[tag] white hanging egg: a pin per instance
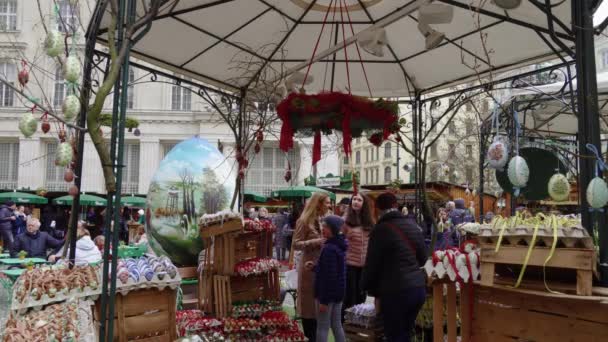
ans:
(497, 154)
(64, 154)
(28, 125)
(597, 193)
(70, 107)
(54, 43)
(518, 172)
(559, 187)
(71, 69)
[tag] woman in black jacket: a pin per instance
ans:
(392, 271)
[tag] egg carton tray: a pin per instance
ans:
(567, 237)
(86, 293)
(143, 283)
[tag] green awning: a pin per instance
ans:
(301, 191)
(249, 196)
(85, 200)
(22, 198)
(133, 201)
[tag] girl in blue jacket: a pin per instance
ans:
(330, 280)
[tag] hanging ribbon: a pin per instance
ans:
(516, 189)
(600, 165)
(316, 148)
(553, 221)
(528, 254)
(314, 51)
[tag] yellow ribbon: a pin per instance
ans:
(527, 259)
(553, 245)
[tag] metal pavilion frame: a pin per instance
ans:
(580, 53)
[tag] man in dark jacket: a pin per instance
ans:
(34, 242)
(392, 272)
(7, 218)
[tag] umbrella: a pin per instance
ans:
(133, 201)
(22, 197)
(86, 200)
(301, 191)
(253, 197)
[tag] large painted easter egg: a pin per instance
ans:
(194, 179)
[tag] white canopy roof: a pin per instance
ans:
(554, 115)
(200, 38)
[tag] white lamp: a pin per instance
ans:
(507, 4)
(296, 79)
(432, 37)
(373, 41)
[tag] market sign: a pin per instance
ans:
(328, 181)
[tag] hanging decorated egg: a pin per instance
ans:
(559, 187)
(497, 154)
(64, 154)
(71, 69)
(28, 125)
(518, 172)
(597, 193)
(54, 43)
(68, 175)
(70, 107)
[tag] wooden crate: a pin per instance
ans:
(448, 305)
(578, 260)
(356, 333)
(144, 316)
(208, 231)
(231, 248)
(503, 314)
(230, 289)
(575, 237)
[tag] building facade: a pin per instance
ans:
(167, 114)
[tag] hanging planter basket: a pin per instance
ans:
(325, 112)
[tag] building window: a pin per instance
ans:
(469, 175)
(8, 15)
(469, 151)
(366, 176)
(377, 153)
(604, 59)
(9, 72)
(451, 150)
(9, 154)
(367, 154)
(452, 127)
(130, 173)
(358, 157)
(130, 91)
(345, 160)
(67, 20)
(53, 180)
(434, 151)
(266, 170)
(387, 174)
(61, 90)
(181, 98)
(376, 181)
(388, 150)
(468, 127)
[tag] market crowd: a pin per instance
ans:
(364, 249)
(44, 238)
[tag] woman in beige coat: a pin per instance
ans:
(307, 238)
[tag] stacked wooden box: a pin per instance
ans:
(228, 245)
(574, 254)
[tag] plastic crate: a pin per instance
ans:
(132, 251)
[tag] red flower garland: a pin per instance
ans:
(333, 110)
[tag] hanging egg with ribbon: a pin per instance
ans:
(64, 154)
(597, 190)
(497, 154)
(559, 187)
(518, 173)
(71, 69)
(54, 43)
(24, 76)
(70, 107)
(28, 125)
(597, 193)
(68, 176)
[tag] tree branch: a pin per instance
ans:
(41, 106)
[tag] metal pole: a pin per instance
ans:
(482, 156)
(588, 120)
(398, 158)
